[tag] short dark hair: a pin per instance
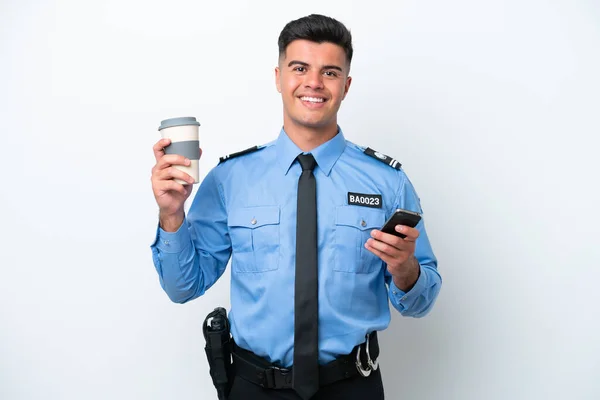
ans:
(316, 28)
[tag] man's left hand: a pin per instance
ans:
(398, 254)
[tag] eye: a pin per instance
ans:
(300, 69)
(331, 73)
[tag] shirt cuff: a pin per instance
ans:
(405, 300)
(172, 242)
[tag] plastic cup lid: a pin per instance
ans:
(179, 121)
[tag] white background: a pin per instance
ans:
(493, 107)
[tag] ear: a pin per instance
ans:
(277, 76)
(347, 86)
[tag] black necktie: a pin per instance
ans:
(306, 309)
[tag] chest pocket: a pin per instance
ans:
(254, 233)
(353, 227)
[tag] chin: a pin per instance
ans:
(314, 123)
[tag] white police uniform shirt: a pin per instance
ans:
(245, 209)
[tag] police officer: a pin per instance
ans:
(257, 207)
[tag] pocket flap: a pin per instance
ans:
(362, 218)
(254, 217)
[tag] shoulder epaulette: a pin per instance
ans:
(383, 158)
(239, 153)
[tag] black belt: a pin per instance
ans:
(361, 361)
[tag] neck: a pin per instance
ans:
(307, 138)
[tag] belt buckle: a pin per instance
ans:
(278, 377)
(371, 365)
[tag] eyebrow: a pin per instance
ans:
(302, 63)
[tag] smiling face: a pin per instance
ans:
(313, 80)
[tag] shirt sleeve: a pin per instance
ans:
(190, 260)
(419, 300)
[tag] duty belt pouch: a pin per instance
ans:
(218, 350)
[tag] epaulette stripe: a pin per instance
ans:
(239, 153)
(392, 162)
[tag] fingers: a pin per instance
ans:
(163, 186)
(390, 245)
(164, 160)
(387, 248)
(370, 245)
(165, 173)
(165, 170)
(172, 159)
(159, 148)
(411, 235)
(170, 173)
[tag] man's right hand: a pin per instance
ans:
(169, 194)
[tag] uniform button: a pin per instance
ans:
(363, 223)
(393, 291)
(253, 222)
(404, 298)
(166, 242)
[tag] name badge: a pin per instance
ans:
(365, 200)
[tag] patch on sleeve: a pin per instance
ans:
(239, 153)
(383, 158)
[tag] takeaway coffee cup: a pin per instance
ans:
(183, 132)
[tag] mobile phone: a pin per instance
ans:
(401, 217)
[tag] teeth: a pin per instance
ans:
(312, 99)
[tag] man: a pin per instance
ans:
(308, 292)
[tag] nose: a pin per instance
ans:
(313, 80)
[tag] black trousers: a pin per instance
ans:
(356, 388)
